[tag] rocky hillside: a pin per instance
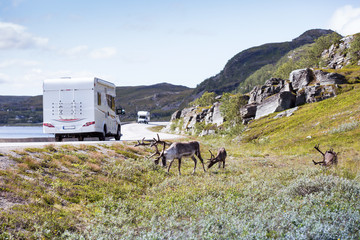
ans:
(245, 63)
(341, 65)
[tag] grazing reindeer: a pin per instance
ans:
(220, 157)
(329, 157)
(178, 150)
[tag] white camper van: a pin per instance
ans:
(143, 117)
(80, 107)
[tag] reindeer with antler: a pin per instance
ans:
(329, 157)
(220, 158)
(177, 150)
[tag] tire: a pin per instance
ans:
(58, 138)
(102, 135)
(118, 134)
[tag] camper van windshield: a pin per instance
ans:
(142, 117)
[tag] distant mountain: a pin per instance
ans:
(20, 110)
(160, 99)
(243, 64)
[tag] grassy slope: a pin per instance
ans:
(269, 189)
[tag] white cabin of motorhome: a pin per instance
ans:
(80, 107)
(143, 117)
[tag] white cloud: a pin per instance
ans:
(346, 20)
(18, 63)
(76, 50)
(102, 53)
(14, 36)
(4, 78)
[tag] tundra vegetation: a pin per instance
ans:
(269, 189)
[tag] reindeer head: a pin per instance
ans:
(213, 160)
(162, 157)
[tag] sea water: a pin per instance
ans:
(23, 132)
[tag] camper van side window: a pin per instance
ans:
(99, 98)
(110, 101)
(113, 103)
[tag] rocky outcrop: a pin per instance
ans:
(276, 95)
(271, 86)
(193, 115)
(337, 56)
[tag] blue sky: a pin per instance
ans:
(140, 42)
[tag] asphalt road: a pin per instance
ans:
(130, 132)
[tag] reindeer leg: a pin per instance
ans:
(170, 165)
(317, 148)
(224, 164)
(195, 162)
(179, 166)
(201, 160)
(322, 162)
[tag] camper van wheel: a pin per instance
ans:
(118, 134)
(103, 134)
(58, 138)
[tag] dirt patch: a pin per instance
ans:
(8, 200)
(6, 163)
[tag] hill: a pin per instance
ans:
(245, 63)
(160, 99)
(20, 110)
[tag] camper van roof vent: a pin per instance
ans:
(66, 77)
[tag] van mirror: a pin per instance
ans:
(120, 111)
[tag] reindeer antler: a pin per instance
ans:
(212, 155)
(153, 143)
(143, 143)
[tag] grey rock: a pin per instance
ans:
(301, 78)
(315, 93)
(271, 87)
(207, 132)
(287, 113)
(175, 115)
(217, 118)
(276, 103)
(325, 78)
(248, 111)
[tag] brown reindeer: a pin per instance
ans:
(179, 150)
(329, 157)
(220, 158)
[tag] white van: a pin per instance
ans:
(80, 107)
(143, 117)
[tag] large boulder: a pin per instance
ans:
(217, 118)
(175, 115)
(315, 93)
(301, 78)
(271, 87)
(276, 103)
(325, 78)
(248, 111)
